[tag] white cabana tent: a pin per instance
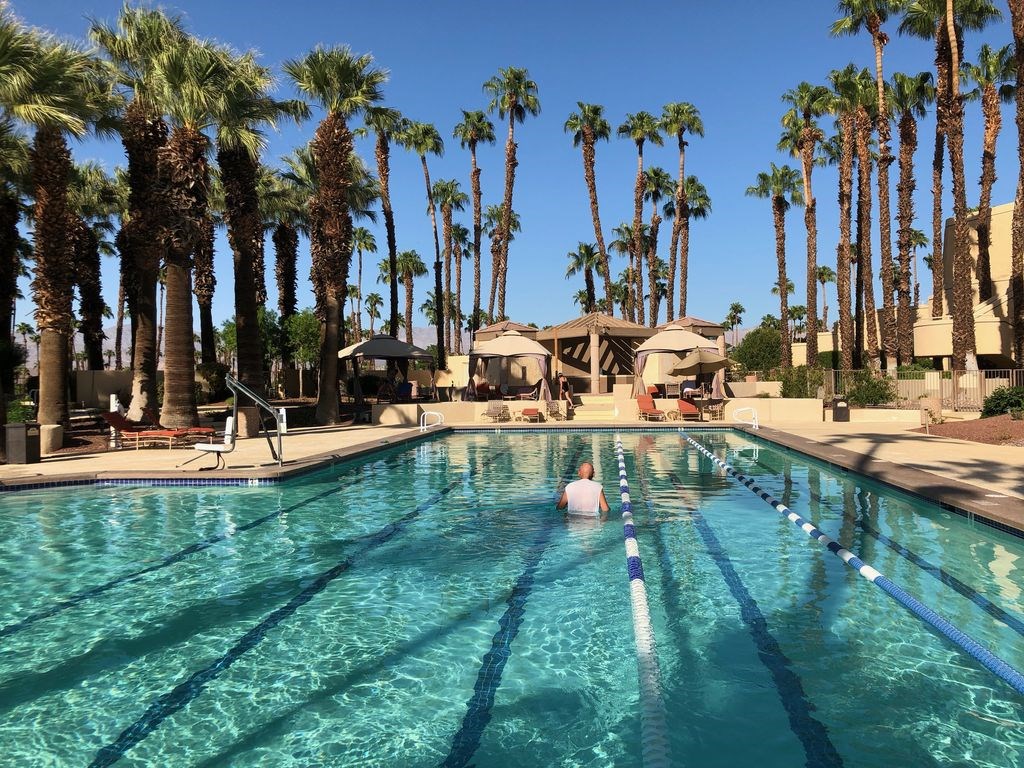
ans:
(512, 344)
(383, 347)
(673, 340)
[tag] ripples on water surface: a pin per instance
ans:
(429, 605)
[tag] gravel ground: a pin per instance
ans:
(996, 430)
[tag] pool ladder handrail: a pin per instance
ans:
(238, 388)
(423, 420)
(752, 422)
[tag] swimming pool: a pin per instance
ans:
(427, 606)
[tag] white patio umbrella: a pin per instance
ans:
(701, 361)
(513, 344)
(673, 339)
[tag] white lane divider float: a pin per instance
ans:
(653, 727)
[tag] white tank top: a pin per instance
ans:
(584, 497)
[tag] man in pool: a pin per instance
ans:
(584, 496)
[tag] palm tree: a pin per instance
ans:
(286, 210)
(56, 91)
(809, 102)
(372, 303)
(245, 107)
(386, 123)
(460, 249)
(640, 128)
(867, 321)
(994, 76)
(362, 240)
(797, 315)
(513, 94)
(824, 275)
(678, 119)
(926, 19)
(870, 15)
(909, 96)
(14, 182)
(344, 84)
(844, 105)
(733, 320)
(918, 239)
(657, 185)
(588, 127)
(1017, 245)
(585, 259)
(134, 46)
(24, 330)
(423, 139)
(450, 197)
(92, 200)
(410, 266)
(493, 216)
(623, 245)
(475, 128)
(781, 186)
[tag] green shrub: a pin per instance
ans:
(215, 376)
(760, 350)
(1003, 400)
(871, 388)
(18, 413)
(829, 360)
(801, 381)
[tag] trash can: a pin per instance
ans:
(840, 409)
(23, 443)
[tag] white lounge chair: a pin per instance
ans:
(219, 449)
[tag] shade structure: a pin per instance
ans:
(674, 340)
(701, 361)
(384, 347)
(513, 344)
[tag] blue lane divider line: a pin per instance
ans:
(954, 634)
(186, 692)
(478, 710)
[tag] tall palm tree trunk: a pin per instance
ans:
(864, 268)
(811, 225)
(638, 238)
(87, 277)
(383, 153)
(54, 256)
(474, 178)
(846, 330)
(993, 124)
(1017, 249)
(506, 210)
(590, 176)
(183, 171)
(286, 247)
(941, 119)
(407, 284)
(680, 239)
(205, 283)
(446, 231)
(439, 310)
(779, 216)
(238, 170)
(905, 218)
(495, 274)
(885, 159)
(964, 357)
(143, 134)
(457, 303)
(652, 267)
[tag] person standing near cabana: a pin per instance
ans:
(565, 392)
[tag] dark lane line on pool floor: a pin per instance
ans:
(184, 693)
(467, 739)
(811, 732)
(169, 560)
(935, 571)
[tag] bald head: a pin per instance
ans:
(586, 471)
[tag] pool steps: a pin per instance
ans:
(947, 629)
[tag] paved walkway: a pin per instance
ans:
(980, 479)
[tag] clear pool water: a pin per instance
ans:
(427, 606)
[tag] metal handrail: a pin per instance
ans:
(237, 388)
(423, 420)
(752, 422)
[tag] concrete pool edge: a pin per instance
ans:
(968, 500)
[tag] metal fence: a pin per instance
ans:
(957, 390)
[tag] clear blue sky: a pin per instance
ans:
(733, 61)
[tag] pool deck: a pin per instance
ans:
(973, 478)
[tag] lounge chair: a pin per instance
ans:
(715, 410)
(528, 414)
(554, 411)
(218, 449)
(672, 390)
(150, 414)
(647, 411)
(686, 410)
(134, 432)
(497, 411)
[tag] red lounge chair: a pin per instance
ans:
(687, 410)
(646, 409)
(133, 431)
(150, 414)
